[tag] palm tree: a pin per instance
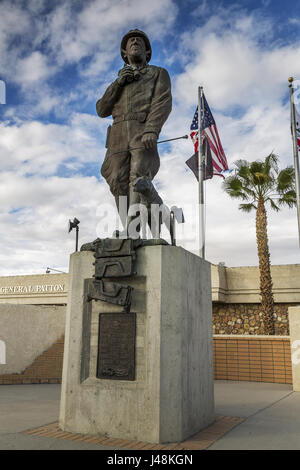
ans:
(259, 183)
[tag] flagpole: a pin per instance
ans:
(200, 178)
(296, 156)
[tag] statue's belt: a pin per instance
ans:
(141, 117)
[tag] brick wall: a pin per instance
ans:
(250, 358)
(257, 359)
(47, 368)
(237, 319)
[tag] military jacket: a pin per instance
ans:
(147, 100)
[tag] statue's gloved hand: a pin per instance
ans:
(149, 140)
(125, 75)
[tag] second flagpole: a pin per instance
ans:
(200, 177)
(295, 149)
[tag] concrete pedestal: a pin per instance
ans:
(172, 396)
(294, 326)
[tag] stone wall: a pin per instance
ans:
(238, 319)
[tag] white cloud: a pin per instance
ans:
(68, 34)
(36, 148)
(33, 68)
(237, 69)
(244, 73)
(295, 21)
(36, 230)
(95, 30)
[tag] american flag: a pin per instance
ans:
(210, 132)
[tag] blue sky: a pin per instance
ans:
(58, 57)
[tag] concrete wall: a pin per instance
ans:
(294, 318)
(241, 284)
(30, 322)
(229, 285)
(236, 298)
(2, 352)
(46, 368)
(27, 331)
(34, 289)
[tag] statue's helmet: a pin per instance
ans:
(136, 33)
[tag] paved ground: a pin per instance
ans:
(271, 412)
(28, 406)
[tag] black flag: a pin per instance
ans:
(192, 162)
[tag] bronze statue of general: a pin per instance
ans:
(139, 101)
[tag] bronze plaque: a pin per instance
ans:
(116, 346)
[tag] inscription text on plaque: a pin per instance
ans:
(116, 346)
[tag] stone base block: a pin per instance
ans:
(294, 325)
(171, 396)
